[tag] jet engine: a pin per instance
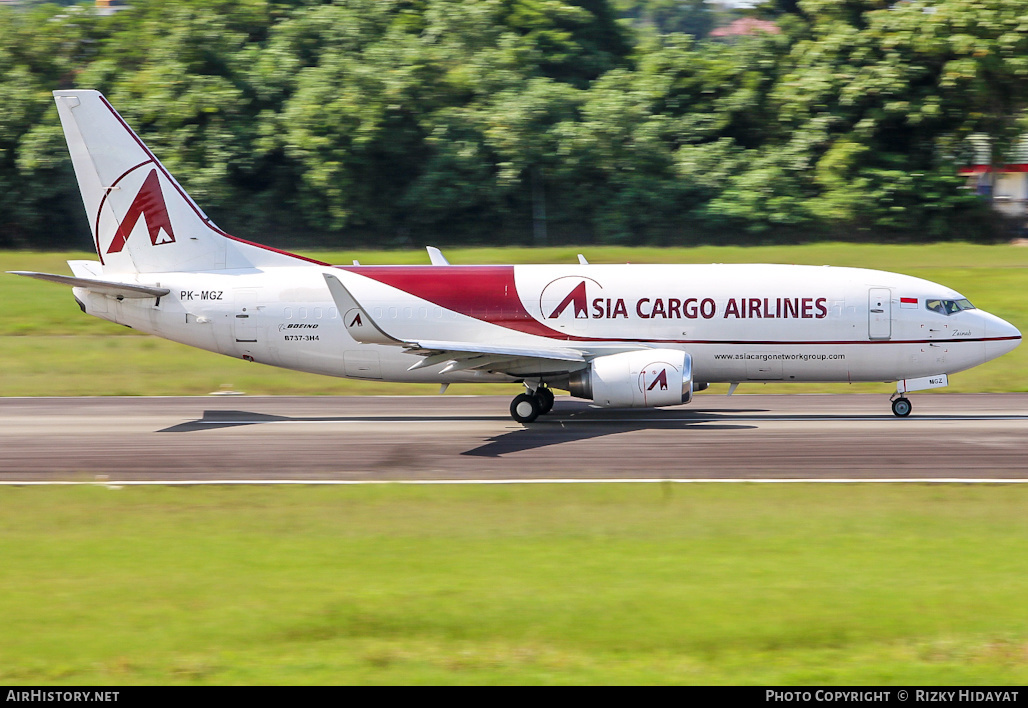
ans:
(640, 379)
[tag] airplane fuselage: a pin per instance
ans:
(738, 322)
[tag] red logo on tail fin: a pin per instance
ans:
(149, 204)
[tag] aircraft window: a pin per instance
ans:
(317, 313)
(948, 307)
(288, 313)
(332, 312)
(302, 313)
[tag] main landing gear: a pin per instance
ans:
(528, 406)
(901, 406)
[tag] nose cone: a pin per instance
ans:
(1000, 337)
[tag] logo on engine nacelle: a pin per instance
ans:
(661, 379)
(654, 376)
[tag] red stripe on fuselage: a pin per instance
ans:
(486, 293)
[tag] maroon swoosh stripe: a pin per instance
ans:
(488, 294)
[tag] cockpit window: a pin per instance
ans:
(948, 307)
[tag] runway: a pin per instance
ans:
(779, 437)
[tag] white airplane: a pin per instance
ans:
(620, 335)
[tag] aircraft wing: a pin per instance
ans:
(106, 287)
(460, 355)
(463, 355)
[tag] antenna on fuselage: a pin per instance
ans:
(436, 256)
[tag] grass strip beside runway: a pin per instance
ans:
(796, 584)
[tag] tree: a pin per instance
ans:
(40, 48)
(664, 17)
(883, 100)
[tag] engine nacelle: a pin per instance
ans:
(641, 379)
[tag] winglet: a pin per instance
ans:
(356, 319)
(582, 260)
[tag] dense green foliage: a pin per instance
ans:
(395, 122)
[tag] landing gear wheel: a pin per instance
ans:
(545, 398)
(901, 407)
(524, 408)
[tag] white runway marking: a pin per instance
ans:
(728, 417)
(337, 482)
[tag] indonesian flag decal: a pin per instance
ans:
(908, 303)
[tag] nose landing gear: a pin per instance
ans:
(901, 406)
(528, 406)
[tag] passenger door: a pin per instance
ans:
(879, 316)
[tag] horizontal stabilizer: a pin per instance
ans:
(104, 287)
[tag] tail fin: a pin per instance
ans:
(141, 218)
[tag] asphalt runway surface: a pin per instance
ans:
(233, 438)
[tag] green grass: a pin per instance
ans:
(597, 584)
(48, 347)
(149, 366)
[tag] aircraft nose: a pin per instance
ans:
(1001, 337)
